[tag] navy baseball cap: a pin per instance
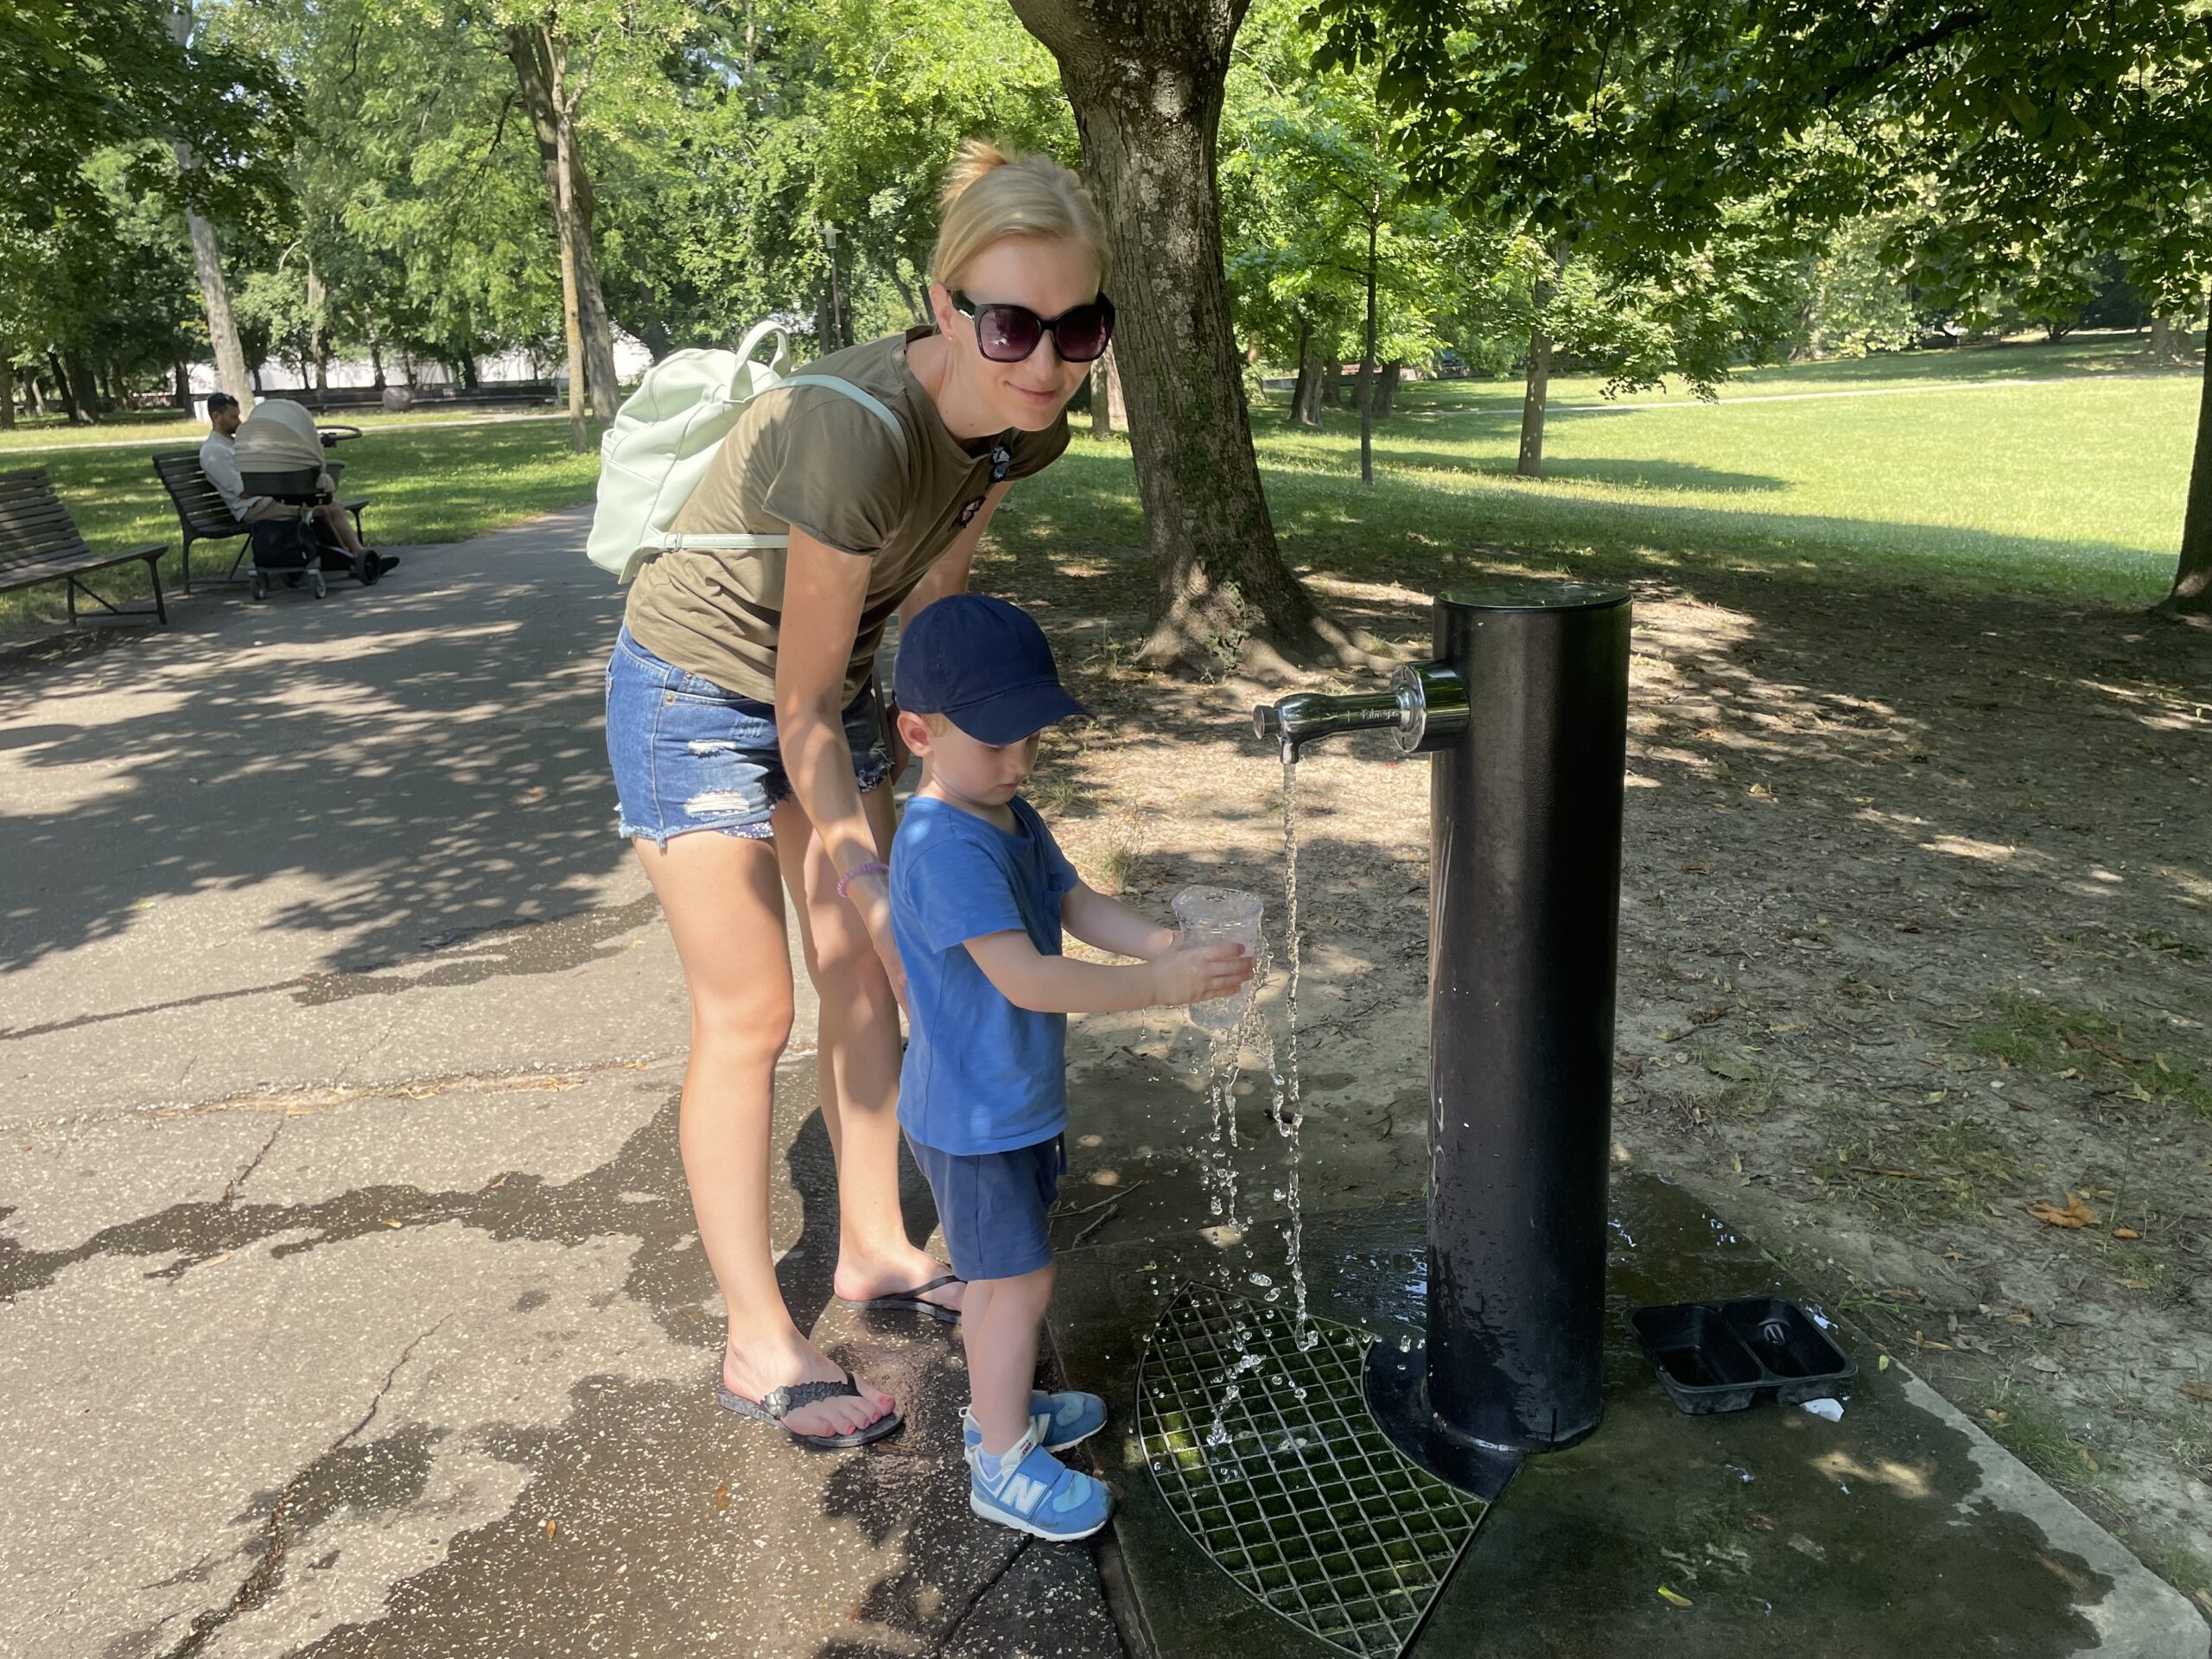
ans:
(984, 664)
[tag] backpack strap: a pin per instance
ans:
(866, 400)
(735, 543)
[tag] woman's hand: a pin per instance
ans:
(871, 896)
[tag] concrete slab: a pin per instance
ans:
(350, 1301)
(1901, 1528)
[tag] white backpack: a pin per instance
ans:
(667, 431)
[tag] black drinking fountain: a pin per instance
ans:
(1524, 712)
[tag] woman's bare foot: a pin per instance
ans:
(858, 1278)
(763, 1367)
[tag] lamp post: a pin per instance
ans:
(836, 302)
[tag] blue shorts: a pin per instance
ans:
(992, 1205)
(689, 755)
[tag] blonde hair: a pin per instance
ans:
(989, 195)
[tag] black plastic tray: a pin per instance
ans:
(1722, 1356)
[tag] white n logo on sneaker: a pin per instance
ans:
(1022, 1494)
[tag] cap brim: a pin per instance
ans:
(1016, 714)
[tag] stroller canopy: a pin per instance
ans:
(279, 437)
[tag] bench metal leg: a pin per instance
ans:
(159, 608)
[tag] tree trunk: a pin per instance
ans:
(34, 393)
(376, 360)
(2191, 597)
(920, 311)
(1146, 85)
(1300, 388)
(208, 261)
(541, 71)
(1102, 411)
(318, 335)
(1332, 383)
(1386, 394)
(222, 325)
(180, 384)
(1367, 362)
(1538, 387)
(7, 394)
(76, 383)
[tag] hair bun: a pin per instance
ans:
(975, 158)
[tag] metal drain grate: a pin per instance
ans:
(1304, 1503)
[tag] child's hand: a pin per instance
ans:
(1199, 973)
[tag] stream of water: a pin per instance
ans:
(1224, 1063)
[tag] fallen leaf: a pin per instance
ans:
(388, 1222)
(2087, 1462)
(721, 1496)
(2204, 1600)
(1673, 1599)
(1694, 867)
(551, 1526)
(1883, 1363)
(1707, 1016)
(2197, 1391)
(2136, 1284)
(1999, 1418)
(2126, 1232)
(1908, 927)
(2075, 1214)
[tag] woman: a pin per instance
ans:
(749, 746)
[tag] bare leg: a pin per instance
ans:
(859, 1071)
(999, 1326)
(341, 525)
(726, 913)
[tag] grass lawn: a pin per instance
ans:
(2060, 470)
(427, 479)
(2053, 469)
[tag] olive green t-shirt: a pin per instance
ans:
(809, 458)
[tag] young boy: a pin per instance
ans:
(979, 896)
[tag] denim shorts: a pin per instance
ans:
(689, 755)
(992, 1205)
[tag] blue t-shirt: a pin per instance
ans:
(981, 1074)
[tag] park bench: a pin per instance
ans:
(39, 543)
(200, 509)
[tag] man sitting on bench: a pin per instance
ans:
(219, 461)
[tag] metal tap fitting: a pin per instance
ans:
(1424, 709)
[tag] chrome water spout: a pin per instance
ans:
(1424, 708)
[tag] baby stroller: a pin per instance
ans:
(280, 455)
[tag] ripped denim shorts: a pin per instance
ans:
(689, 755)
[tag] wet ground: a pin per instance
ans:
(1898, 1528)
(349, 1298)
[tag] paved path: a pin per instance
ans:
(349, 1301)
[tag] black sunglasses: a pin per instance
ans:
(1008, 334)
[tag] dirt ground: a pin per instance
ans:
(1913, 978)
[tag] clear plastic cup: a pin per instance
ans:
(1221, 916)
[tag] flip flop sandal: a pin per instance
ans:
(914, 1300)
(779, 1404)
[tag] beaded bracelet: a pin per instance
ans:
(858, 871)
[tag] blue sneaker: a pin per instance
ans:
(1033, 1491)
(1057, 1422)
